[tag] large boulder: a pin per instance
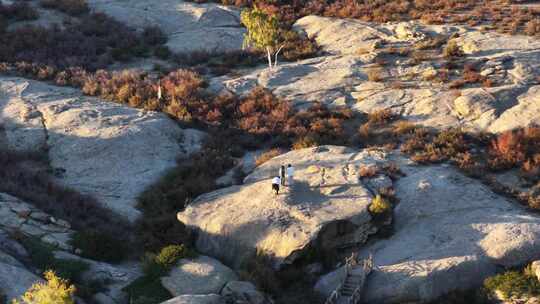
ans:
(106, 150)
(326, 207)
(188, 25)
(451, 232)
(199, 276)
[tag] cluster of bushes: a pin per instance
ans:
(517, 148)
(514, 284)
(91, 41)
(148, 289)
(497, 14)
(42, 257)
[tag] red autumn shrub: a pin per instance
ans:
(508, 149)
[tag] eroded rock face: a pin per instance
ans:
(17, 216)
(199, 276)
(451, 232)
(189, 26)
(106, 150)
(352, 49)
(234, 222)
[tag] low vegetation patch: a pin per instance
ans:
(379, 205)
(70, 7)
(94, 244)
(42, 257)
(54, 290)
(514, 284)
(148, 289)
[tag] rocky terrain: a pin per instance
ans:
(326, 190)
(96, 147)
(222, 236)
(353, 49)
(189, 26)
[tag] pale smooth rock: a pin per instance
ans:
(199, 276)
(188, 25)
(108, 150)
(283, 225)
(451, 236)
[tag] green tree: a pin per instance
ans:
(263, 33)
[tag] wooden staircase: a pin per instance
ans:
(350, 289)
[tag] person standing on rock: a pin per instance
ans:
(282, 175)
(276, 181)
(290, 174)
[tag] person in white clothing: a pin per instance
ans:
(290, 174)
(276, 181)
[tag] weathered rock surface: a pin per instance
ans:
(15, 280)
(199, 276)
(243, 292)
(451, 232)
(189, 26)
(354, 48)
(197, 299)
(234, 222)
(115, 276)
(17, 216)
(106, 150)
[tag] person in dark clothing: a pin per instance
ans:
(276, 181)
(282, 175)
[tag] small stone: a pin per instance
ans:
(487, 72)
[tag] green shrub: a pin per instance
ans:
(379, 205)
(54, 291)
(513, 284)
(158, 265)
(147, 290)
(99, 245)
(70, 269)
(452, 49)
(169, 255)
(41, 255)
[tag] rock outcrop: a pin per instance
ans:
(199, 276)
(188, 25)
(325, 207)
(353, 50)
(17, 216)
(104, 149)
(451, 232)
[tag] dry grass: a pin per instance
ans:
(268, 155)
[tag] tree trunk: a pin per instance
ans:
(269, 54)
(277, 53)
